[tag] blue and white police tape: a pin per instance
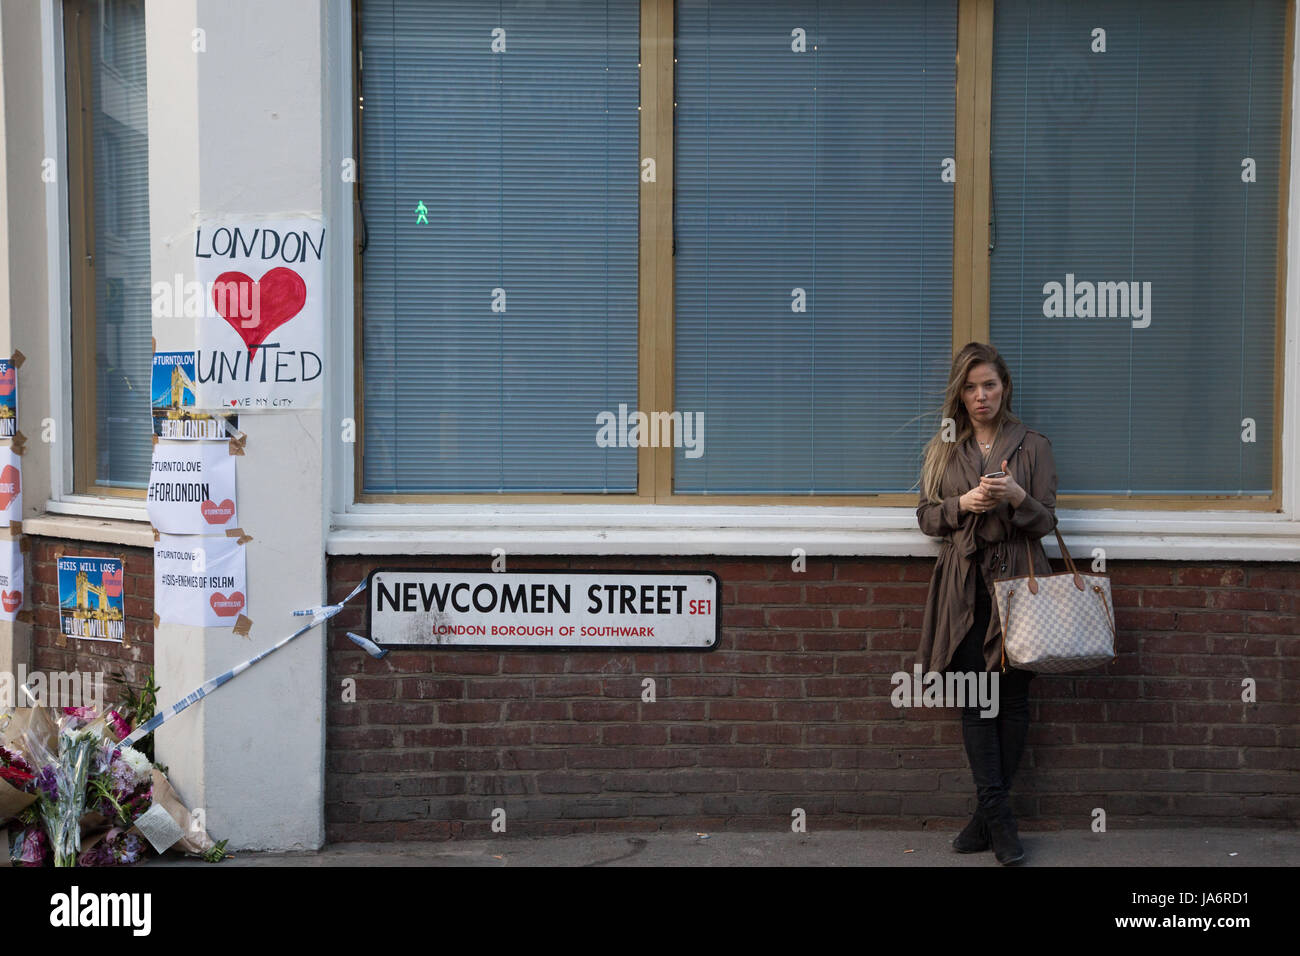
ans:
(319, 616)
(369, 646)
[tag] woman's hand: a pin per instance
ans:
(977, 500)
(1003, 489)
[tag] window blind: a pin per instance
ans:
(123, 316)
(1136, 162)
(814, 228)
(500, 198)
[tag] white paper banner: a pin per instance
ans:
(191, 488)
(261, 335)
(198, 580)
(11, 485)
(11, 579)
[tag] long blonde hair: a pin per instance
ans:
(938, 453)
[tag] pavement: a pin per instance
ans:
(1213, 847)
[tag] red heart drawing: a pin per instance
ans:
(224, 606)
(214, 513)
(113, 583)
(10, 485)
(11, 600)
(7, 381)
(273, 300)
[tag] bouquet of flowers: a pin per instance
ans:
(74, 795)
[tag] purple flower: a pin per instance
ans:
(117, 848)
(30, 847)
(129, 851)
(48, 783)
(119, 725)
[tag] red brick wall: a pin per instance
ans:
(793, 710)
(93, 656)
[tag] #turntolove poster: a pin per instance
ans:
(11, 486)
(171, 392)
(11, 579)
(198, 581)
(191, 488)
(261, 336)
(90, 598)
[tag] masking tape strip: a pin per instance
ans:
(242, 626)
(25, 544)
(25, 615)
(18, 443)
(156, 619)
(153, 723)
(18, 358)
(15, 528)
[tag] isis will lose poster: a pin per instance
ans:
(90, 598)
(261, 335)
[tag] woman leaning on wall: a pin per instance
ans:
(984, 523)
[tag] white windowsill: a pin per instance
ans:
(102, 524)
(778, 530)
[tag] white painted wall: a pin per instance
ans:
(236, 130)
(23, 292)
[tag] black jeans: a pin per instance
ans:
(993, 744)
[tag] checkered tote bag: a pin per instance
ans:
(1056, 622)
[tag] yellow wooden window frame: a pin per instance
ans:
(970, 307)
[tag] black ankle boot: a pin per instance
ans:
(1003, 836)
(975, 837)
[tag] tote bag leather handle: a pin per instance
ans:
(1065, 553)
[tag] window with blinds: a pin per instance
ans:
(1137, 180)
(108, 209)
(499, 191)
(815, 167)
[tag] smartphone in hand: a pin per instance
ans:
(996, 474)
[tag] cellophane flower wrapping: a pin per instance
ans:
(61, 781)
(82, 791)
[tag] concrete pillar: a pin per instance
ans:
(23, 286)
(237, 129)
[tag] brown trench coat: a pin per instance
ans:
(1002, 532)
